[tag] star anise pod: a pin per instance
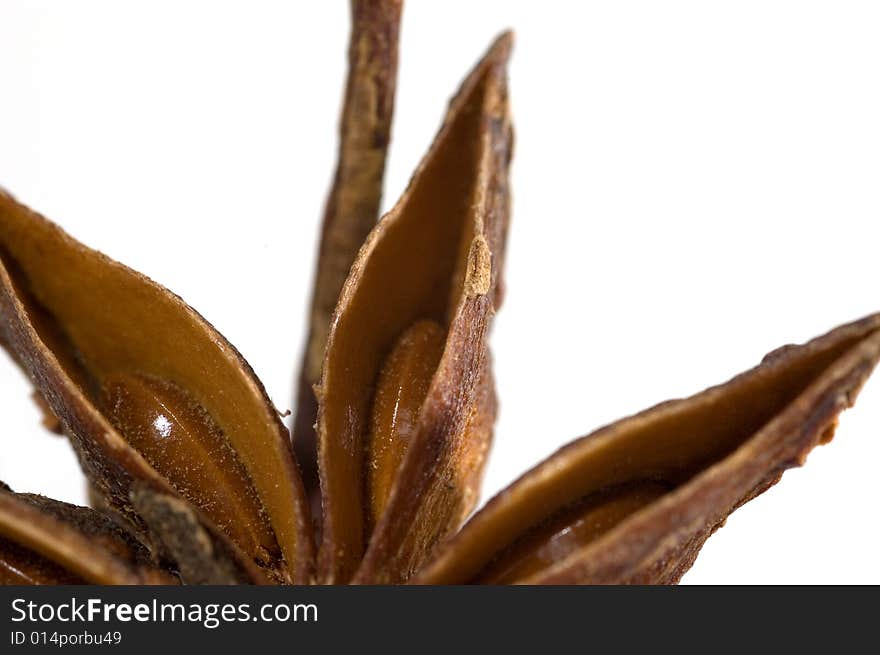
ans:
(194, 473)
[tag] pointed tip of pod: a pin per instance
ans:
(498, 54)
(502, 45)
(750, 429)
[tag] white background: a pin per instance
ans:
(695, 183)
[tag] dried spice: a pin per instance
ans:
(431, 263)
(166, 403)
(353, 204)
(44, 541)
(634, 502)
(195, 478)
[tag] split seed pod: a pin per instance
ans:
(353, 203)
(406, 401)
(635, 501)
(179, 439)
(44, 541)
(155, 400)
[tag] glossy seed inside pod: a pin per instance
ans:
(180, 440)
(75, 321)
(401, 389)
(570, 530)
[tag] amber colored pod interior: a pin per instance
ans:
(412, 268)
(663, 447)
(406, 278)
(103, 322)
(438, 483)
(352, 207)
(179, 438)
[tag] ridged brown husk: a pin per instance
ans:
(76, 320)
(406, 401)
(353, 203)
(436, 255)
(200, 555)
(707, 455)
(44, 541)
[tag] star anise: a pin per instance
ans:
(194, 473)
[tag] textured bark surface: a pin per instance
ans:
(353, 203)
(716, 450)
(200, 557)
(68, 544)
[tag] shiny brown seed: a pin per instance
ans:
(74, 319)
(571, 530)
(180, 440)
(400, 392)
